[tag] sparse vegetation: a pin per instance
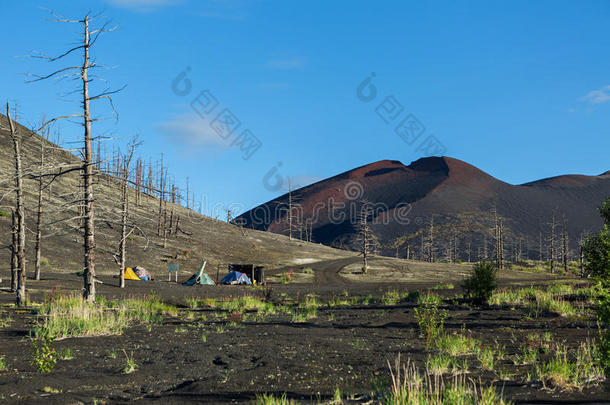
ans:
(44, 356)
(66, 354)
(71, 316)
(269, 399)
(456, 344)
(391, 297)
(130, 364)
(409, 386)
(429, 298)
(443, 286)
(481, 283)
(431, 321)
(570, 369)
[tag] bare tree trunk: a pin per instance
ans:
(39, 213)
(124, 213)
(19, 211)
(138, 181)
(171, 221)
(161, 196)
(501, 244)
(14, 249)
(149, 180)
(89, 274)
(164, 212)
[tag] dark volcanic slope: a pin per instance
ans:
(202, 237)
(459, 196)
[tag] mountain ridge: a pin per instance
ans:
(439, 186)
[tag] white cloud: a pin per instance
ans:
(191, 131)
(598, 96)
(143, 5)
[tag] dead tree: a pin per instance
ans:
(164, 207)
(39, 210)
(161, 196)
(138, 181)
(581, 254)
(82, 72)
(498, 233)
(14, 248)
(149, 179)
(125, 210)
(187, 194)
(292, 217)
(365, 234)
(19, 211)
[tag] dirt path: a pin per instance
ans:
(327, 272)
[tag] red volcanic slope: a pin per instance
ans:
(457, 194)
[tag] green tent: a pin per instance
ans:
(200, 277)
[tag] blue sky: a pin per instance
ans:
(520, 89)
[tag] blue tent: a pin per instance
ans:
(235, 277)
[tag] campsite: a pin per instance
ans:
(282, 203)
(314, 341)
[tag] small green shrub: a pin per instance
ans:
(286, 277)
(429, 298)
(603, 316)
(66, 354)
(570, 369)
(3, 365)
(5, 320)
(438, 364)
(487, 358)
(44, 356)
(4, 214)
(410, 387)
(431, 321)
(391, 297)
(130, 364)
(457, 344)
(481, 284)
(270, 399)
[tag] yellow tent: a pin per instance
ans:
(130, 275)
